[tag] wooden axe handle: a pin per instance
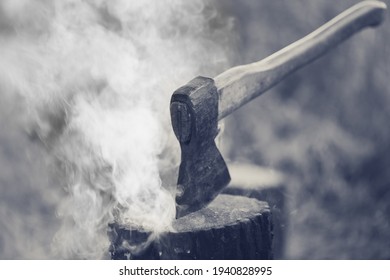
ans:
(241, 84)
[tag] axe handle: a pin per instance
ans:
(241, 84)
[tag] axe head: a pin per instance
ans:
(203, 172)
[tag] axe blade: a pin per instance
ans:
(202, 176)
(203, 172)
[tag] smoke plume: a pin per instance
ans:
(89, 83)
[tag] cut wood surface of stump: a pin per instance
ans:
(231, 227)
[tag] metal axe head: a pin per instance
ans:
(203, 172)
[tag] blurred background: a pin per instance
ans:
(323, 128)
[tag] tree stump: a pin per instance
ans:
(264, 184)
(231, 227)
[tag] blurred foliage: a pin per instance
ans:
(325, 127)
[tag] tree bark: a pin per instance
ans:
(267, 185)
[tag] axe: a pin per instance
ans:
(197, 107)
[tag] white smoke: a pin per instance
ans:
(93, 80)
